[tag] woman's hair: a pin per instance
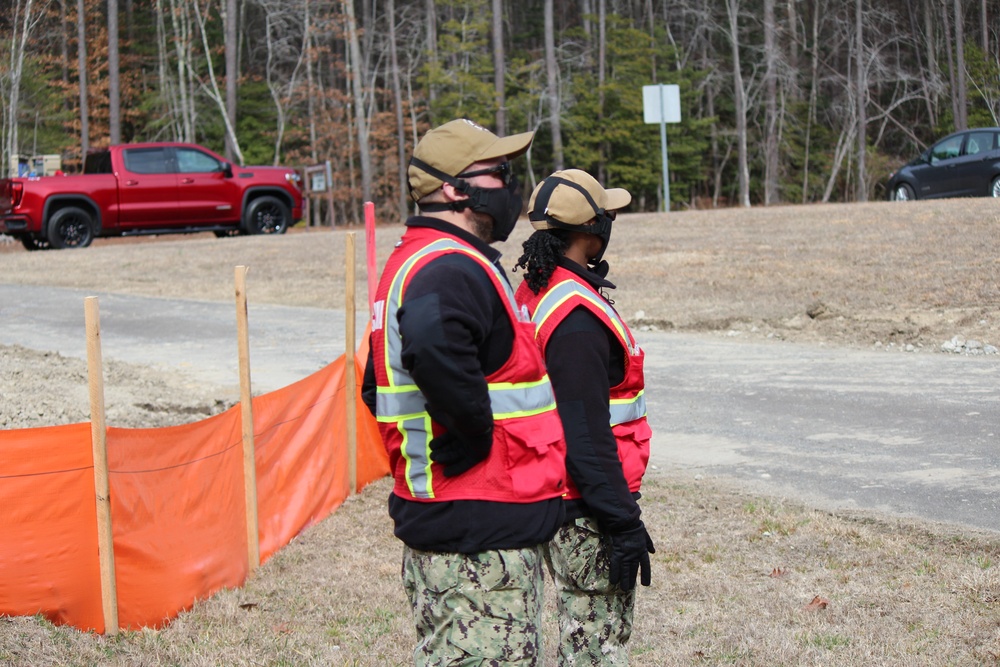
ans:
(541, 255)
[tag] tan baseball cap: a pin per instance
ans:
(568, 204)
(455, 145)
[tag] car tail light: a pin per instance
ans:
(14, 192)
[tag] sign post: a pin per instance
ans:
(661, 103)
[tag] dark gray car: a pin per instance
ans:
(963, 164)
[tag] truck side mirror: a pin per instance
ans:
(227, 169)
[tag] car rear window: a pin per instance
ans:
(98, 162)
(980, 142)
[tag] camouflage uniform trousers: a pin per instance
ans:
(595, 618)
(474, 610)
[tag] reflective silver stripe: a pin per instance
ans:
(416, 451)
(622, 410)
(506, 400)
(558, 295)
(625, 410)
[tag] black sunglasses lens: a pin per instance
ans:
(503, 172)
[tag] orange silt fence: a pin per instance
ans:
(177, 503)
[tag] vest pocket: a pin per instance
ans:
(633, 449)
(536, 455)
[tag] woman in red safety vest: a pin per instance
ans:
(595, 367)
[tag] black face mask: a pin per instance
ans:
(602, 219)
(502, 204)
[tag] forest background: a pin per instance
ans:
(791, 101)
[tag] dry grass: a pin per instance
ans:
(734, 573)
(918, 272)
(733, 578)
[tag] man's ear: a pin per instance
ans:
(451, 193)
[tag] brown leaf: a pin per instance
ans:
(816, 604)
(248, 605)
(777, 573)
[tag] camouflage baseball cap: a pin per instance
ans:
(455, 145)
(572, 197)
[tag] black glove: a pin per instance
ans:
(458, 455)
(630, 551)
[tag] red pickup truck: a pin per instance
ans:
(153, 188)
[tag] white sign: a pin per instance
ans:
(661, 103)
(318, 182)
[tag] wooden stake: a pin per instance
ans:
(99, 438)
(350, 382)
(246, 412)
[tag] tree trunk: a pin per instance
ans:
(771, 195)
(861, 95)
(430, 12)
(602, 47)
(552, 71)
(952, 78)
(213, 84)
(114, 94)
(813, 94)
(397, 95)
(984, 25)
(360, 119)
(312, 91)
(739, 95)
(499, 73)
(962, 119)
(81, 50)
(232, 75)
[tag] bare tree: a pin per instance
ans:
(114, 88)
(771, 195)
(962, 105)
(211, 88)
(360, 118)
(861, 95)
(232, 75)
(24, 21)
(182, 39)
(397, 96)
(552, 70)
(81, 51)
(499, 72)
(430, 14)
(740, 97)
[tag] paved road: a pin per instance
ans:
(904, 434)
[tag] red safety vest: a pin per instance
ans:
(627, 402)
(527, 462)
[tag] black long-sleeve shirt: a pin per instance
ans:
(455, 332)
(584, 360)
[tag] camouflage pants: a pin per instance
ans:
(475, 610)
(595, 619)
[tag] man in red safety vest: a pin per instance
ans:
(596, 371)
(465, 408)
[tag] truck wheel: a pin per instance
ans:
(34, 243)
(70, 227)
(267, 215)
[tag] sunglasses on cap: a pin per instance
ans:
(502, 170)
